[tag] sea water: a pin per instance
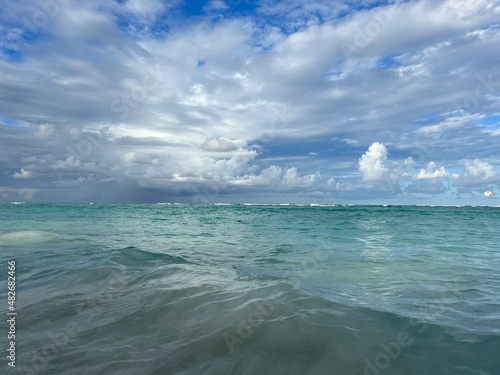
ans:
(252, 289)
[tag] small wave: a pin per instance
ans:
(26, 237)
(282, 249)
(132, 255)
(256, 204)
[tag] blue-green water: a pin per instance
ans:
(234, 289)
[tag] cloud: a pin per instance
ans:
(215, 5)
(113, 92)
(372, 164)
(144, 8)
(477, 169)
(278, 177)
(44, 131)
(430, 172)
(449, 123)
(476, 173)
(23, 174)
(220, 169)
(218, 145)
(10, 194)
(27, 193)
(426, 186)
(291, 178)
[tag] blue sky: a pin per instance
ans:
(365, 102)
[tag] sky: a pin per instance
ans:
(299, 101)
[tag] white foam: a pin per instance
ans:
(26, 236)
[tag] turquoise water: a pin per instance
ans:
(235, 289)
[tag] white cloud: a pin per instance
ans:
(216, 144)
(339, 186)
(240, 170)
(409, 163)
(467, 10)
(215, 5)
(430, 172)
(144, 8)
(23, 174)
(479, 170)
(44, 131)
(476, 173)
(291, 178)
(375, 167)
(454, 121)
(221, 169)
(278, 177)
(372, 164)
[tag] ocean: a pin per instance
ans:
(251, 289)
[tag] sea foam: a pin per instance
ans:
(26, 236)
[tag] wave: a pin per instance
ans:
(131, 255)
(252, 327)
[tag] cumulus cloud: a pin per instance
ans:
(372, 163)
(476, 173)
(221, 169)
(280, 177)
(291, 178)
(431, 172)
(23, 173)
(375, 167)
(478, 169)
(339, 186)
(216, 144)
